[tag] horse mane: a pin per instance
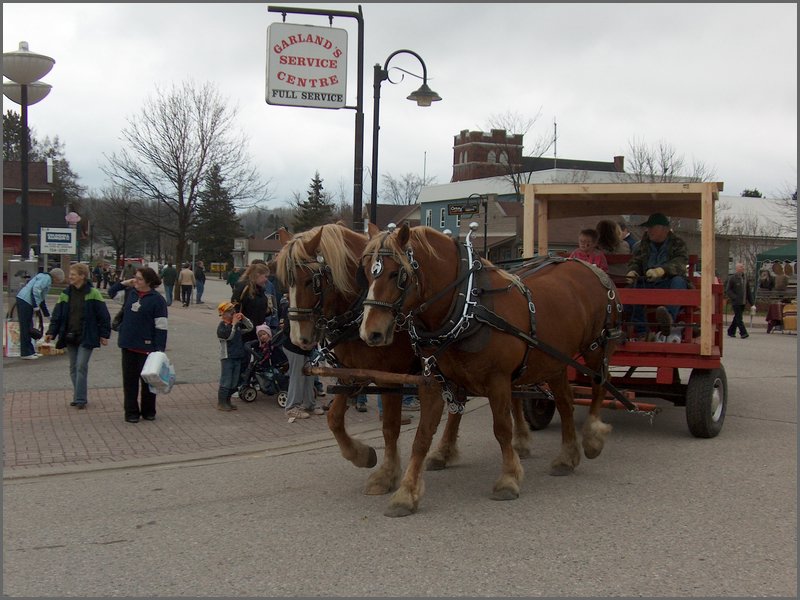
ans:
(333, 247)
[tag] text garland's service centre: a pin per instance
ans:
(306, 66)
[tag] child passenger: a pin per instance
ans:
(587, 249)
(231, 351)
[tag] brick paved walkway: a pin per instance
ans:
(43, 434)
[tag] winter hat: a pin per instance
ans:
(266, 328)
(224, 307)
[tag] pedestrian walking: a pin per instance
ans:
(200, 281)
(143, 330)
(738, 291)
(169, 275)
(186, 281)
(80, 323)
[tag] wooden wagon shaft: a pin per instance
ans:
(366, 376)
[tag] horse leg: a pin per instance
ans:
(447, 450)
(356, 451)
(569, 457)
(385, 478)
(522, 433)
(507, 486)
(594, 430)
(405, 500)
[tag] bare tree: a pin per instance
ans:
(749, 235)
(661, 163)
(508, 156)
(786, 200)
(405, 189)
(172, 144)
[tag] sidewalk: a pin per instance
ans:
(44, 435)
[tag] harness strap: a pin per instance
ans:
(486, 316)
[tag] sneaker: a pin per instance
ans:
(235, 396)
(411, 404)
(296, 413)
(30, 357)
(225, 407)
(319, 410)
(745, 336)
(664, 320)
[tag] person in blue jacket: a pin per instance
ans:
(31, 300)
(143, 330)
(80, 323)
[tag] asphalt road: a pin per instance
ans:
(659, 513)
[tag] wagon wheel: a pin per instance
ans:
(248, 393)
(538, 412)
(706, 401)
(282, 398)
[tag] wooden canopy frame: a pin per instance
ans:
(547, 201)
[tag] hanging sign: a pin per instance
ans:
(306, 66)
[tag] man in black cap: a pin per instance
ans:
(659, 261)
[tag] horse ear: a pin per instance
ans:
(372, 230)
(403, 234)
(284, 236)
(311, 245)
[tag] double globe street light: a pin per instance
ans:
(424, 96)
(24, 69)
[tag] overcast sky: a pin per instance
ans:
(718, 82)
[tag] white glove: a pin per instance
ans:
(631, 277)
(653, 274)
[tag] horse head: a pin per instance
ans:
(393, 266)
(319, 269)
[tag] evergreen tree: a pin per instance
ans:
(215, 224)
(317, 210)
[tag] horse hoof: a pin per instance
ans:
(435, 464)
(561, 470)
(372, 460)
(398, 510)
(505, 494)
(592, 452)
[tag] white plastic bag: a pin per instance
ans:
(159, 373)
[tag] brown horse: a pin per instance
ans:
(527, 327)
(319, 268)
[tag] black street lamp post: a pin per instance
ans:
(485, 204)
(24, 68)
(424, 96)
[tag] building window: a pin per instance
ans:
(492, 157)
(441, 218)
(428, 217)
(503, 158)
(458, 221)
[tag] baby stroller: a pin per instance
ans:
(267, 376)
